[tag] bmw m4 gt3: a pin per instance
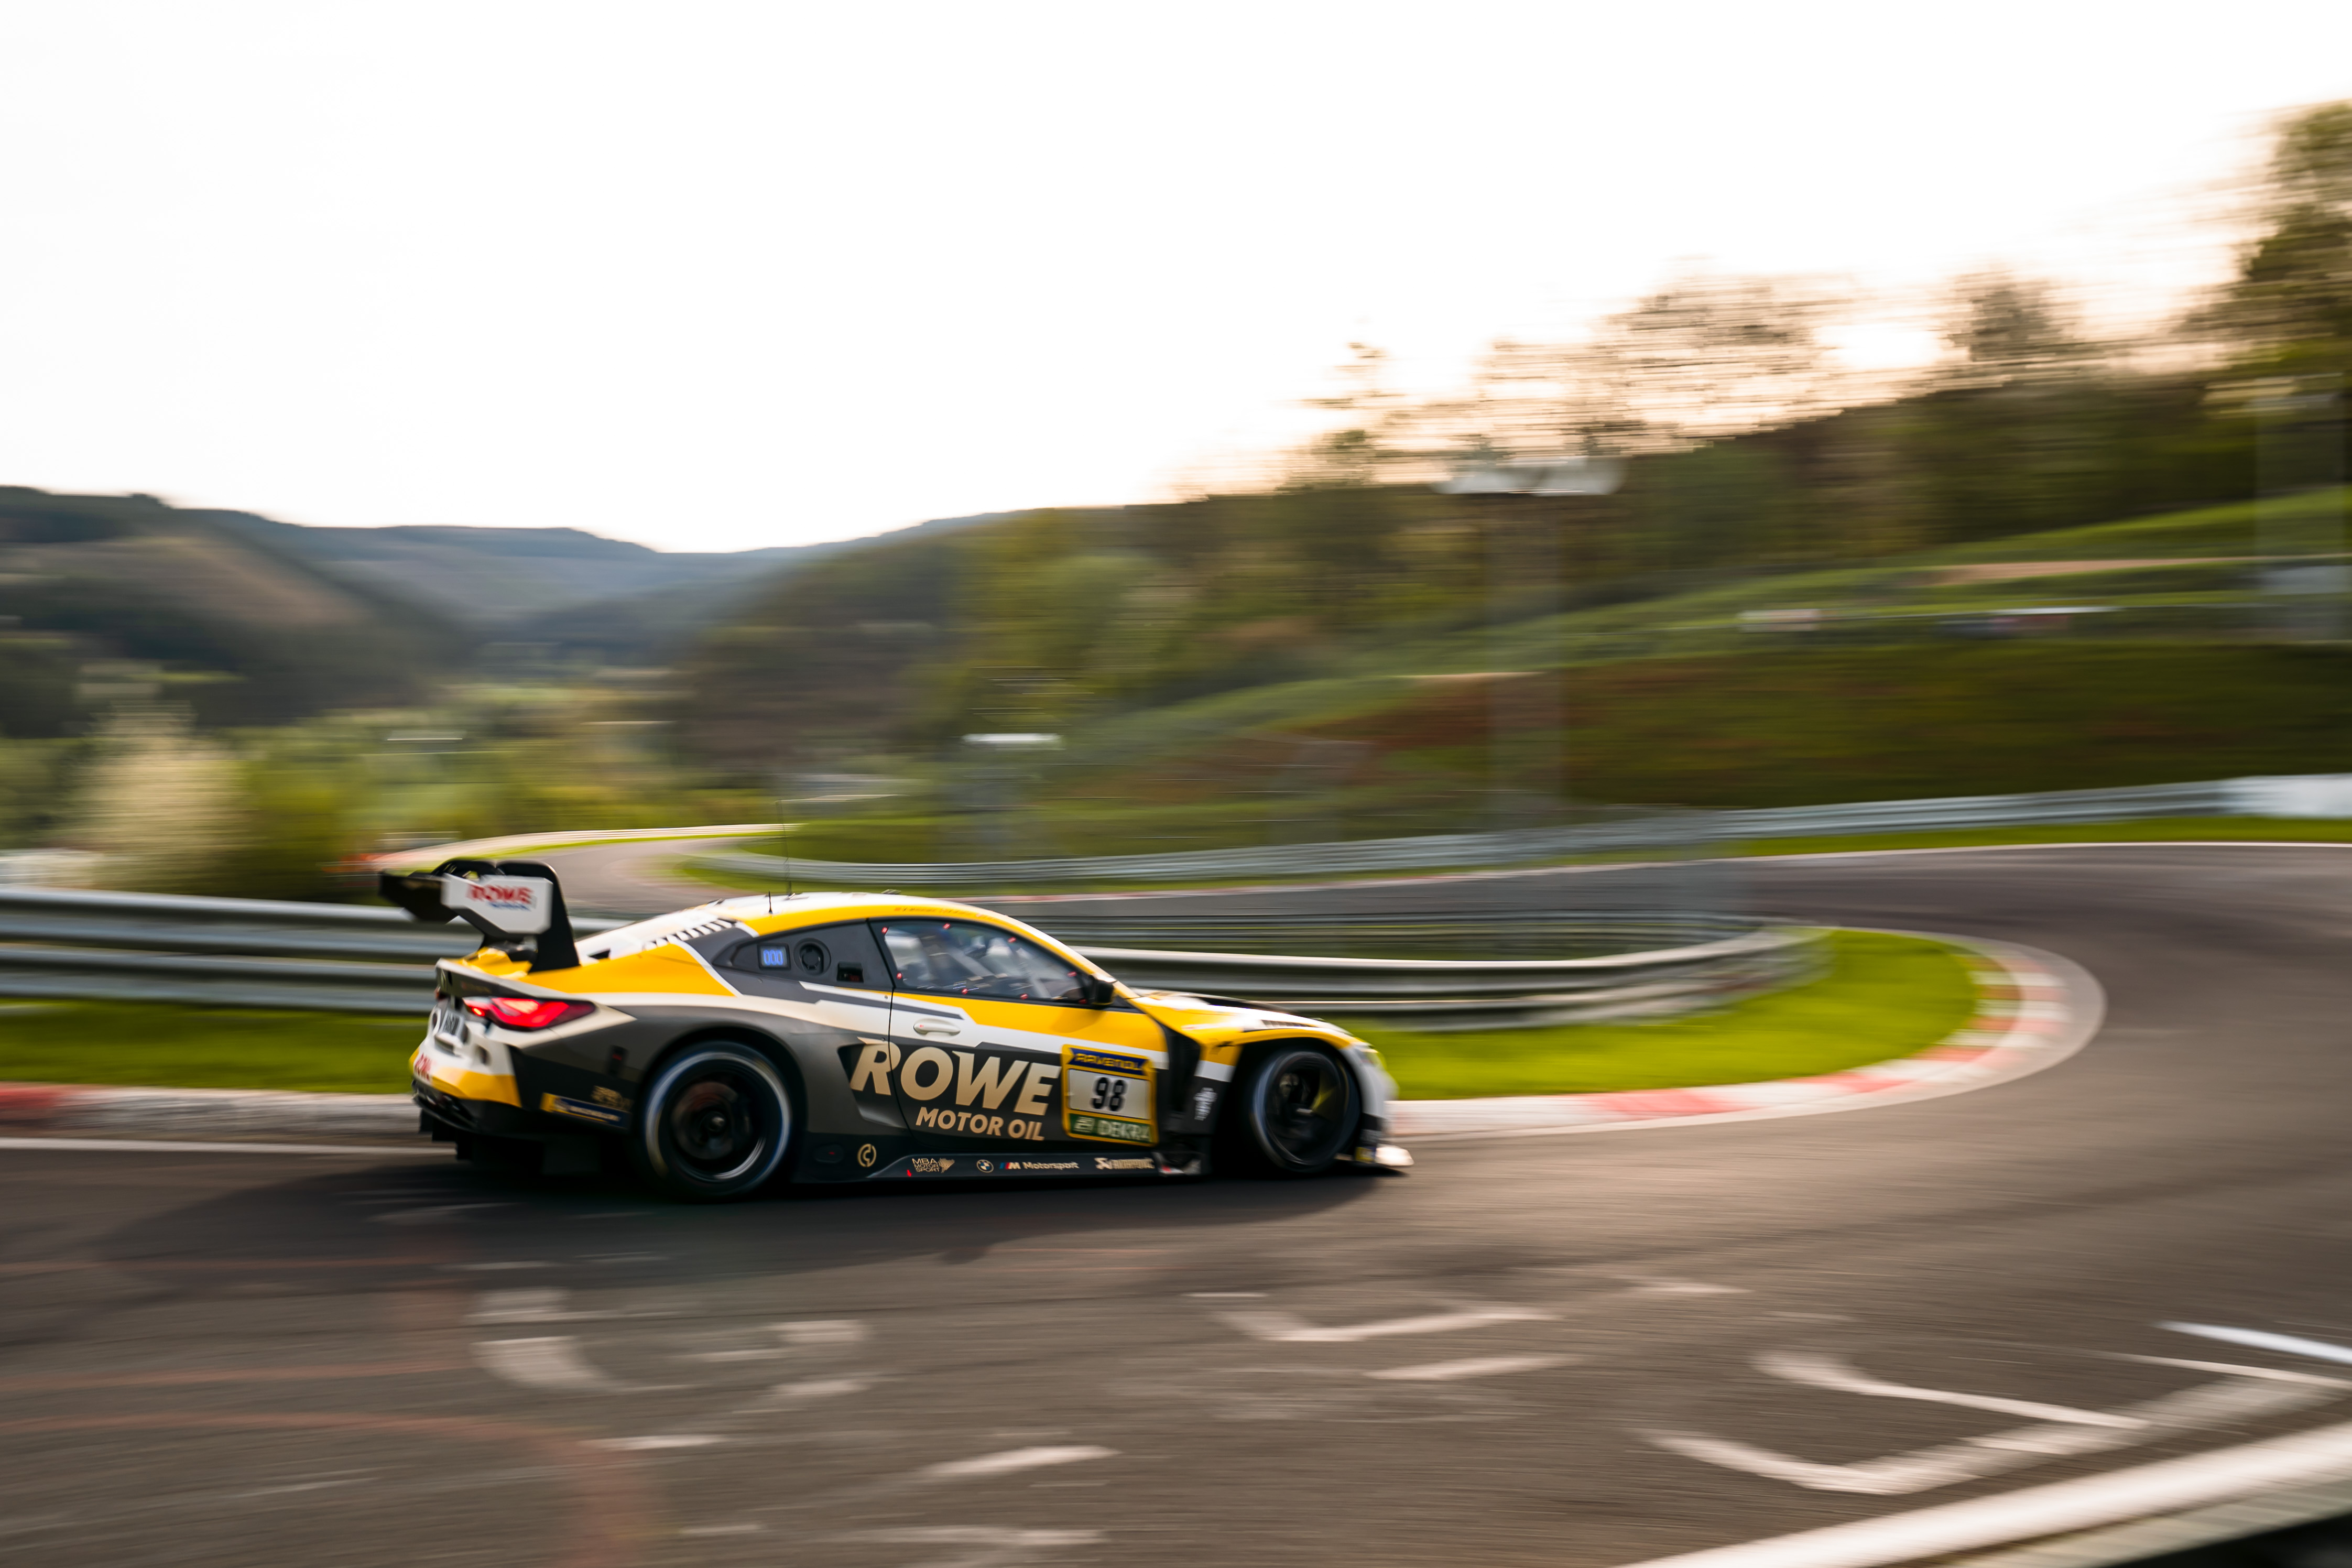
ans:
(856, 1037)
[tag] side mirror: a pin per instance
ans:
(1096, 991)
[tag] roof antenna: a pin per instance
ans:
(788, 859)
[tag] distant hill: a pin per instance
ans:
(103, 594)
(252, 621)
(570, 591)
(493, 575)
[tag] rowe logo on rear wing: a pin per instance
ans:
(519, 906)
(501, 899)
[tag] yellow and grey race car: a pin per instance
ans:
(854, 1037)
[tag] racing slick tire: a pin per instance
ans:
(1296, 1112)
(715, 1124)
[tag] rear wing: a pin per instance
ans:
(504, 900)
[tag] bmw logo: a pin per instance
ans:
(986, 1166)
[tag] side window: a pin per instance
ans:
(965, 958)
(824, 955)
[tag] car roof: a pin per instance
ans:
(767, 914)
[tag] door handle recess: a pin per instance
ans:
(928, 1028)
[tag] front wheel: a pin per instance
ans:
(713, 1124)
(1298, 1108)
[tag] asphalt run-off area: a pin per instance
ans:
(1939, 1330)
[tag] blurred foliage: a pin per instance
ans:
(38, 674)
(2290, 305)
(32, 790)
(162, 805)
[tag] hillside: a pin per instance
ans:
(2139, 651)
(572, 594)
(1780, 727)
(654, 620)
(491, 576)
(1057, 621)
(103, 597)
(251, 621)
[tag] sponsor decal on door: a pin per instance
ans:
(1106, 1095)
(982, 1093)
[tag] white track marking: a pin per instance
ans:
(822, 1388)
(1878, 1476)
(816, 1333)
(655, 1444)
(822, 1331)
(723, 1529)
(2165, 1486)
(2255, 1338)
(1013, 1459)
(2235, 1370)
(551, 1363)
(351, 1479)
(1828, 1371)
(1478, 1366)
(1282, 1328)
(1646, 1286)
(2190, 1410)
(522, 1307)
(993, 1546)
(191, 1146)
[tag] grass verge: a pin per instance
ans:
(163, 1045)
(1882, 996)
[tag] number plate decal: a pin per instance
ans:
(1106, 1095)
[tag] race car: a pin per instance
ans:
(854, 1037)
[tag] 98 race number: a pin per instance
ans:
(1108, 1096)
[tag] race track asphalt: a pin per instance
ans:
(1593, 1349)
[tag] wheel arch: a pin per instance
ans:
(1368, 1091)
(770, 1044)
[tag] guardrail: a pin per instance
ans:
(243, 953)
(1497, 994)
(234, 953)
(2316, 795)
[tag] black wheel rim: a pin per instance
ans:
(715, 1127)
(1303, 1109)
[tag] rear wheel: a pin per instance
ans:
(1298, 1108)
(713, 1124)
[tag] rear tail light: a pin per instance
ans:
(526, 1012)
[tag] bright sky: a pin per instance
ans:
(739, 272)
